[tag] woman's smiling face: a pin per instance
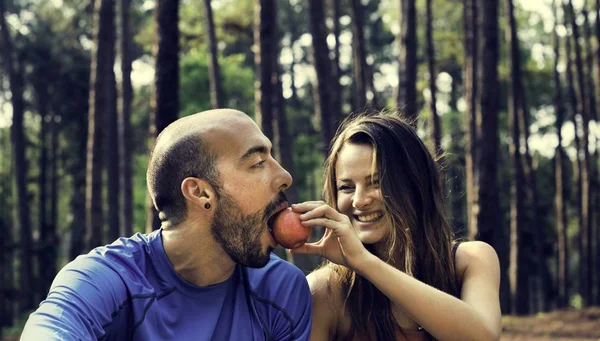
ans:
(358, 192)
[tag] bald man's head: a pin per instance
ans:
(187, 148)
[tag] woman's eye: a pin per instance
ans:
(375, 183)
(344, 188)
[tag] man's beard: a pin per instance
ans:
(240, 235)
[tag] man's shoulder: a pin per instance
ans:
(276, 268)
(121, 251)
(276, 279)
(108, 265)
(281, 296)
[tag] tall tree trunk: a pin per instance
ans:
(124, 119)
(98, 114)
(292, 28)
(77, 202)
(588, 68)
(407, 86)
(486, 208)
(573, 106)
(15, 71)
(560, 178)
(584, 236)
(112, 141)
(52, 236)
(541, 294)
(520, 253)
(596, 256)
(434, 118)
(284, 155)
(7, 259)
(359, 55)
(470, 75)
(216, 96)
(593, 158)
(320, 57)
(336, 100)
(41, 99)
(265, 59)
(282, 139)
(588, 65)
(46, 248)
(165, 99)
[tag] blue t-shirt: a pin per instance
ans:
(130, 291)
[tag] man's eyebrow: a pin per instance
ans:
(252, 151)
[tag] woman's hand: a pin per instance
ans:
(340, 243)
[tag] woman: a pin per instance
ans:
(394, 271)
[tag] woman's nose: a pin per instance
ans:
(363, 197)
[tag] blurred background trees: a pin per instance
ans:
(507, 92)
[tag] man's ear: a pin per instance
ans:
(199, 193)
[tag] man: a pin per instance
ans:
(208, 273)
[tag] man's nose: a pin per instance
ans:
(283, 179)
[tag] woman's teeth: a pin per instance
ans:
(369, 218)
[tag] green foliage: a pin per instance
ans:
(237, 83)
(140, 192)
(17, 328)
(56, 53)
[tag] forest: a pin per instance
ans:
(506, 94)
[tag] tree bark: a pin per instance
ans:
(520, 236)
(112, 141)
(7, 259)
(336, 100)
(292, 29)
(98, 114)
(573, 106)
(407, 86)
(15, 71)
(486, 209)
(591, 85)
(324, 110)
(165, 98)
(124, 119)
(592, 266)
(41, 95)
(470, 76)
(265, 59)
(216, 96)
(560, 178)
(584, 236)
(596, 256)
(434, 119)
(359, 54)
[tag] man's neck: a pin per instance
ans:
(195, 254)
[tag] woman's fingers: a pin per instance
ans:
(328, 223)
(308, 248)
(306, 206)
(323, 211)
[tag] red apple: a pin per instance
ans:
(288, 230)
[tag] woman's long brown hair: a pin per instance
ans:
(419, 242)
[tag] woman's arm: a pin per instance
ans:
(476, 316)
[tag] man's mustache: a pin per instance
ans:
(273, 205)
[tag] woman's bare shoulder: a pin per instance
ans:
(325, 283)
(326, 290)
(473, 253)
